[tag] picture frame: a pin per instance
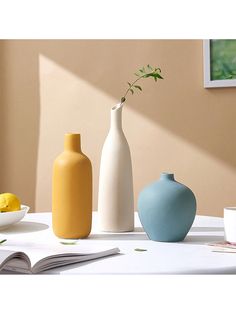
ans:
(210, 82)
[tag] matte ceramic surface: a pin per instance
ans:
(166, 209)
(72, 191)
(115, 197)
(9, 218)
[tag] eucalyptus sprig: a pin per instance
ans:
(68, 242)
(142, 73)
(140, 250)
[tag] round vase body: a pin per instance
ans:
(115, 197)
(166, 209)
(72, 191)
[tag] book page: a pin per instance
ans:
(14, 262)
(53, 254)
(54, 261)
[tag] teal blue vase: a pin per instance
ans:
(166, 209)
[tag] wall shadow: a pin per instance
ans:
(197, 123)
(20, 111)
(109, 64)
(3, 118)
(25, 227)
(202, 117)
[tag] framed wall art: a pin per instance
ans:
(219, 63)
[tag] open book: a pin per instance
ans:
(36, 259)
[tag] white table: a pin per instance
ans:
(192, 256)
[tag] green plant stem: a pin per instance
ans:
(133, 85)
(123, 98)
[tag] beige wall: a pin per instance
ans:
(48, 88)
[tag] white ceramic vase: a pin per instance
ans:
(115, 196)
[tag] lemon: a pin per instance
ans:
(9, 202)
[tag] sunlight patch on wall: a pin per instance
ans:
(70, 104)
(67, 104)
(155, 149)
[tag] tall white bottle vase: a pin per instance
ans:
(115, 196)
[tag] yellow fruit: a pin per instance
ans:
(9, 202)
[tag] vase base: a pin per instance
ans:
(168, 240)
(117, 231)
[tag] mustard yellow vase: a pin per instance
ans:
(72, 191)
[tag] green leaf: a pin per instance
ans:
(143, 72)
(158, 76)
(155, 75)
(140, 250)
(68, 243)
(138, 87)
(2, 241)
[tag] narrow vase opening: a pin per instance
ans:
(72, 142)
(167, 176)
(118, 106)
(116, 117)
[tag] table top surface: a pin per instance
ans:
(191, 256)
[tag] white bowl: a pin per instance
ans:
(9, 218)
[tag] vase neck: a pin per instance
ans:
(116, 118)
(167, 176)
(72, 142)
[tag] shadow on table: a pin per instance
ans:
(206, 229)
(194, 238)
(202, 239)
(137, 234)
(138, 229)
(24, 227)
(118, 236)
